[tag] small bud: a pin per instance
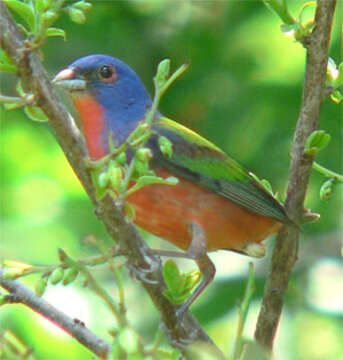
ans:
(83, 5)
(317, 141)
(172, 276)
(41, 285)
(144, 154)
(142, 167)
(166, 146)
(49, 17)
(336, 97)
(128, 340)
(326, 189)
(103, 179)
(56, 276)
(266, 184)
(70, 276)
(42, 5)
(121, 159)
(115, 174)
(76, 15)
(11, 274)
(162, 72)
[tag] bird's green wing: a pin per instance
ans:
(200, 161)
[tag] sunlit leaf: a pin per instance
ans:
(35, 113)
(23, 10)
(55, 32)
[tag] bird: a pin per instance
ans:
(216, 204)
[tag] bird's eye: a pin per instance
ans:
(107, 73)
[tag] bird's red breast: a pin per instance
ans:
(168, 211)
(93, 124)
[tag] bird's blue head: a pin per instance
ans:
(109, 97)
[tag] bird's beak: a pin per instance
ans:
(68, 80)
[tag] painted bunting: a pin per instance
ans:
(216, 203)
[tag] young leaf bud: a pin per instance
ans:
(70, 276)
(56, 276)
(41, 285)
(166, 146)
(144, 154)
(326, 189)
(317, 141)
(162, 72)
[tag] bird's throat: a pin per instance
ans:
(93, 125)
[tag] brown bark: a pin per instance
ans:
(285, 251)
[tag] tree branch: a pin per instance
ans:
(285, 250)
(35, 80)
(21, 294)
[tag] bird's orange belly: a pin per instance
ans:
(168, 211)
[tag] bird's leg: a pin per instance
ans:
(196, 249)
(197, 252)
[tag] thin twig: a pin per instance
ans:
(147, 266)
(285, 250)
(21, 294)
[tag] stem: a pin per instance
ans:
(90, 261)
(280, 9)
(139, 255)
(94, 285)
(328, 173)
(22, 294)
(285, 251)
(243, 311)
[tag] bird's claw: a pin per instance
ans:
(179, 342)
(143, 274)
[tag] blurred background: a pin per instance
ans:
(243, 92)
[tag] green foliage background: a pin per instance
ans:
(243, 92)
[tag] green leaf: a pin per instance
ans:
(165, 146)
(40, 286)
(23, 10)
(163, 70)
(336, 97)
(144, 154)
(70, 276)
(55, 32)
(121, 159)
(100, 190)
(317, 141)
(171, 274)
(305, 6)
(14, 105)
(191, 280)
(19, 89)
(327, 189)
(83, 5)
(115, 174)
(12, 273)
(48, 18)
(266, 184)
(128, 340)
(179, 286)
(76, 15)
(8, 68)
(56, 276)
(35, 114)
(6, 63)
(279, 7)
(130, 212)
(42, 5)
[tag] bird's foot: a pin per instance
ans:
(144, 274)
